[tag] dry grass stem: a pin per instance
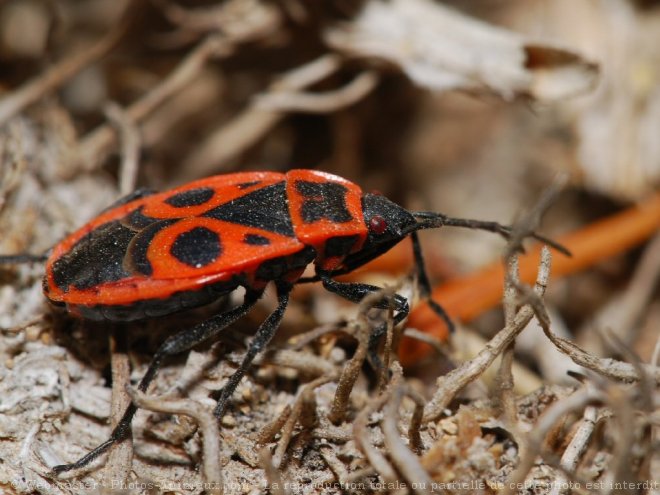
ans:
(414, 436)
(273, 476)
(327, 102)
(403, 458)
(449, 385)
(301, 340)
(362, 332)
(303, 411)
(269, 431)
(610, 368)
(208, 424)
(575, 449)
(120, 458)
(348, 377)
(363, 437)
(535, 439)
(335, 464)
(301, 361)
(504, 383)
(129, 137)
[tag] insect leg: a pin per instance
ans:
(355, 292)
(425, 285)
(180, 342)
(16, 259)
(262, 337)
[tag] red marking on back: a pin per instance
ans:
(317, 233)
(170, 275)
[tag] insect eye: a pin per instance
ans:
(377, 224)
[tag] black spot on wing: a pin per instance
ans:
(340, 245)
(136, 260)
(197, 247)
(266, 209)
(192, 197)
(323, 200)
(256, 240)
(95, 259)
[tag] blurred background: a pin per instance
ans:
(470, 108)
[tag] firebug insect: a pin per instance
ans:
(153, 254)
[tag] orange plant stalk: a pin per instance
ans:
(464, 298)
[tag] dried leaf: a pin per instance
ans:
(443, 50)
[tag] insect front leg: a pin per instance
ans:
(261, 339)
(178, 343)
(355, 292)
(425, 285)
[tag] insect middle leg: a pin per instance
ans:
(178, 343)
(261, 339)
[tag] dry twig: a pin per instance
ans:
(129, 135)
(120, 457)
(303, 411)
(208, 424)
(449, 385)
(504, 384)
(610, 368)
(403, 458)
(273, 477)
(327, 102)
(534, 440)
(361, 332)
(362, 436)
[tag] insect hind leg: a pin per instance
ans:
(22, 258)
(176, 344)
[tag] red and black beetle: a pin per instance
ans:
(153, 254)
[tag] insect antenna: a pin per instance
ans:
(432, 220)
